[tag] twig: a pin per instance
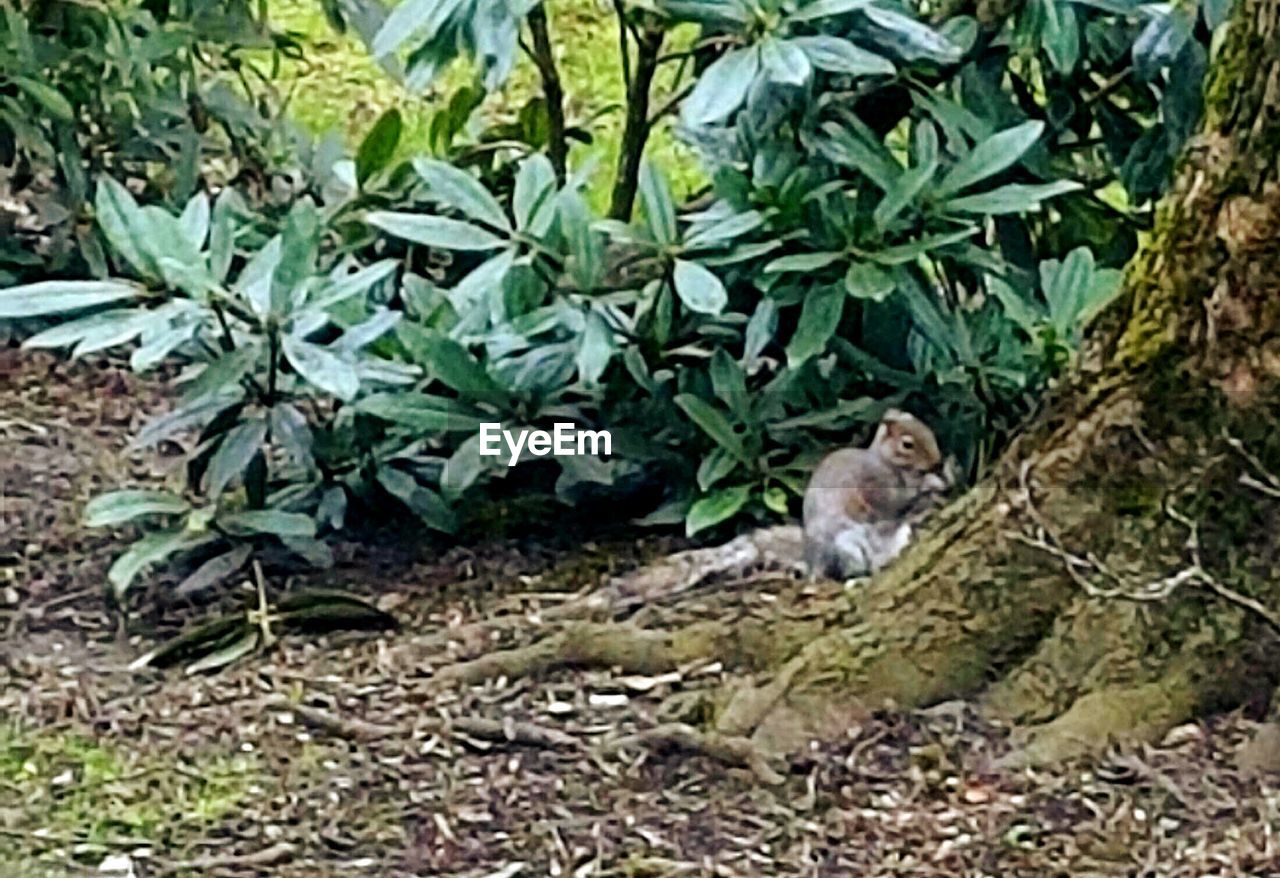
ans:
(344, 727)
(1155, 590)
(727, 749)
(1268, 483)
(278, 853)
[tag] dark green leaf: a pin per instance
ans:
(63, 297)
(698, 288)
(715, 508)
(152, 549)
(426, 504)
(713, 423)
(819, 319)
(841, 56)
(722, 87)
(118, 507)
(865, 281)
(1012, 198)
(379, 145)
(272, 522)
(784, 62)
(435, 231)
(990, 157)
(456, 188)
(240, 445)
(659, 208)
(320, 367)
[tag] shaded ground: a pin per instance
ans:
(215, 776)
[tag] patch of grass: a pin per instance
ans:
(338, 87)
(76, 798)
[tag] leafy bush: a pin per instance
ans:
(902, 213)
(155, 94)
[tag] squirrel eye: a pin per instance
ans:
(908, 443)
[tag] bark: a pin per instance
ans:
(1116, 574)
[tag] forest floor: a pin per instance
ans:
(384, 771)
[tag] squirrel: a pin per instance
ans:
(861, 504)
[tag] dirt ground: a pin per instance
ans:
(345, 756)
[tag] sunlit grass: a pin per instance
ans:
(338, 87)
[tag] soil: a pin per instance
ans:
(343, 755)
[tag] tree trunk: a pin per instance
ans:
(1114, 576)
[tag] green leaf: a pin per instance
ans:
(458, 189)
(1012, 198)
(224, 656)
(462, 468)
(188, 416)
(760, 330)
(698, 288)
(63, 297)
(841, 56)
(341, 287)
(435, 231)
(322, 368)
(451, 364)
(48, 97)
(534, 198)
(715, 508)
(586, 252)
(784, 62)
(659, 208)
(124, 226)
(426, 504)
(993, 155)
(913, 250)
(903, 193)
(418, 20)
(596, 349)
(775, 500)
(257, 278)
(217, 569)
(195, 220)
(715, 467)
(273, 522)
(152, 549)
(118, 507)
(865, 281)
(825, 9)
(238, 447)
(713, 423)
(103, 330)
(722, 87)
(422, 412)
(912, 39)
(379, 145)
(804, 262)
(819, 319)
(729, 382)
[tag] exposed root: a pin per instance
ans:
(1143, 712)
(728, 749)
(592, 644)
(355, 729)
(779, 548)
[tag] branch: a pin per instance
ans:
(544, 58)
(635, 131)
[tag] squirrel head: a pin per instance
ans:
(906, 442)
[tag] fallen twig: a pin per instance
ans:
(728, 749)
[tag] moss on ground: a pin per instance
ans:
(64, 794)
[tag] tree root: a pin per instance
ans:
(731, 750)
(592, 644)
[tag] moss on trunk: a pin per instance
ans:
(1097, 584)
